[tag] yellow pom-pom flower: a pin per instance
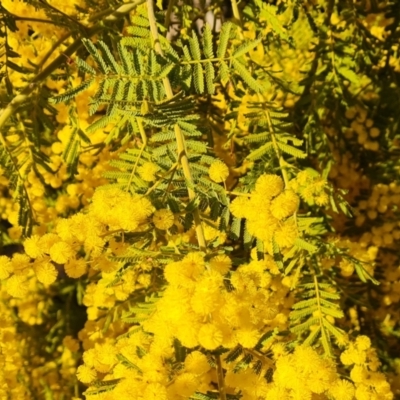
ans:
(363, 342)
(210, 337)
(196, 363)
(239, 207)
(46, 272)
(148, 171)
(75, 268)
(218, 171)
(185, 385)
(61, 252)
(86, 374)
(269, 185)
(155, 391)
(5, 267)
(342, 390)
(285, 204)
(221, 264)
(322, 199)
(33, 247)
(70, 343)
(17, 286)
(47, 241)
(286, 234)
(248, 338)
(163, 219)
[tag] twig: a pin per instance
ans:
(221, 380)
(236, 13)
(168, 13)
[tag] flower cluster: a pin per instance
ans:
(369, 382)
(269, 211)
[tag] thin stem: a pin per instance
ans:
(144, 144)
(238, 193)
(168, 13)
(322, 327)
(221, 380)
(53, 47)
(282, 162)
(236, 13)
(182, 152)
(29, 19)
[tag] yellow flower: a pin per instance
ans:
(185, 385)
(47, 241)
(61, 252)
(70, 343)
(163, 219)
(5, 267)
(269, 185)
(346, 357)
(247, 337)
(218, 171)
(148, 171)
(143, 207)
(155, 391)
(342, 390)
(64, 229)
(322, 199)
(21, 264)
(221, 264)
(33, 247)
(196, 363)
(286, 234)
(239, 207)
(206, 297)
(174, 274)
(46, 272)
(75, 268)
(263, 228)
(304, 177)
(363, 342)
(358, 374)
(86, 374)
(105, 354)
(210, 337)
(285, 204)
(278, 350)
(17, 286)
(193, 264)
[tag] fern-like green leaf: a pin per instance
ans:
(69, 94)
(91, 48)
(109, 58)
(293, 151)
(243, 72)
(207, 41)
(259, 153)
(195, 47)
(245, 47)
(224, 39)
(198, 77)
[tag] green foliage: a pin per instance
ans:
(17, 186)
(310, 315)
